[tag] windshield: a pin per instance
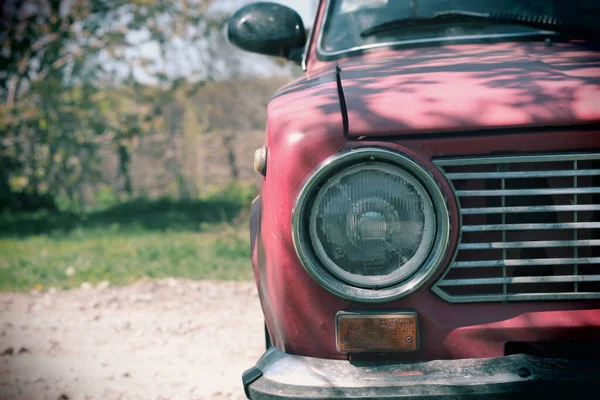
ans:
(348, 20)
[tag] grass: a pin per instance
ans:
(42, 261)
(195, 239)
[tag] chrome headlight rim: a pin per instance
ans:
(312, 263)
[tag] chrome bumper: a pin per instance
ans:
(278, 375)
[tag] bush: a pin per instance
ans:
(140, 214)
(26, 202)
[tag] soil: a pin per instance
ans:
(170, 339)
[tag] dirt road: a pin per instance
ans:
(156, 340)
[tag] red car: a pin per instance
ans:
(428, 225)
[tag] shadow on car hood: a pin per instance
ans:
(471, 87)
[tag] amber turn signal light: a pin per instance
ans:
(361, 332)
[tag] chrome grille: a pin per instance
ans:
(530, 228)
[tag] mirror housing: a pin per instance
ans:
(268, 28)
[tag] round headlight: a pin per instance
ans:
(371, 225)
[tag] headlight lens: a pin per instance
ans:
(372, 225)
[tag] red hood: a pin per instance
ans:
(471, 87)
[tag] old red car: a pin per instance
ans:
(428, 224)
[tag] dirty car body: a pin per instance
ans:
(428, 223)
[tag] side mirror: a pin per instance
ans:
(268, 28)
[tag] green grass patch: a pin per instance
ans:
(219, 252)
(201, 238)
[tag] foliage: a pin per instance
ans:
(95, 255)
(139, 215)
(234, 104)
(69, 82)
(78, 77)
(76, 39)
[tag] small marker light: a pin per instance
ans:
(260, 161)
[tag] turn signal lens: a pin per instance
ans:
(377, 332)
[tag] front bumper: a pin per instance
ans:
(278, 375)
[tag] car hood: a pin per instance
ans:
(471, 87)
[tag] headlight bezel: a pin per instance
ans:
(301, 216)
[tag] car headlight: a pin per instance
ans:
(371, 225)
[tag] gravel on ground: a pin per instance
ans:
(170, 339)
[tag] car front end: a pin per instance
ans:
(428, 224)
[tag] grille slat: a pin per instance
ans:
(521, 263)
(530, 228)
(524, 245)
(525, 297)
(530, 209)
(575, 218)
(529, 279)
(524, 192)
(538, 158)
(522, 174)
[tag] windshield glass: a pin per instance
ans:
(346, 20)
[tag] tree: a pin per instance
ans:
(61, 63)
